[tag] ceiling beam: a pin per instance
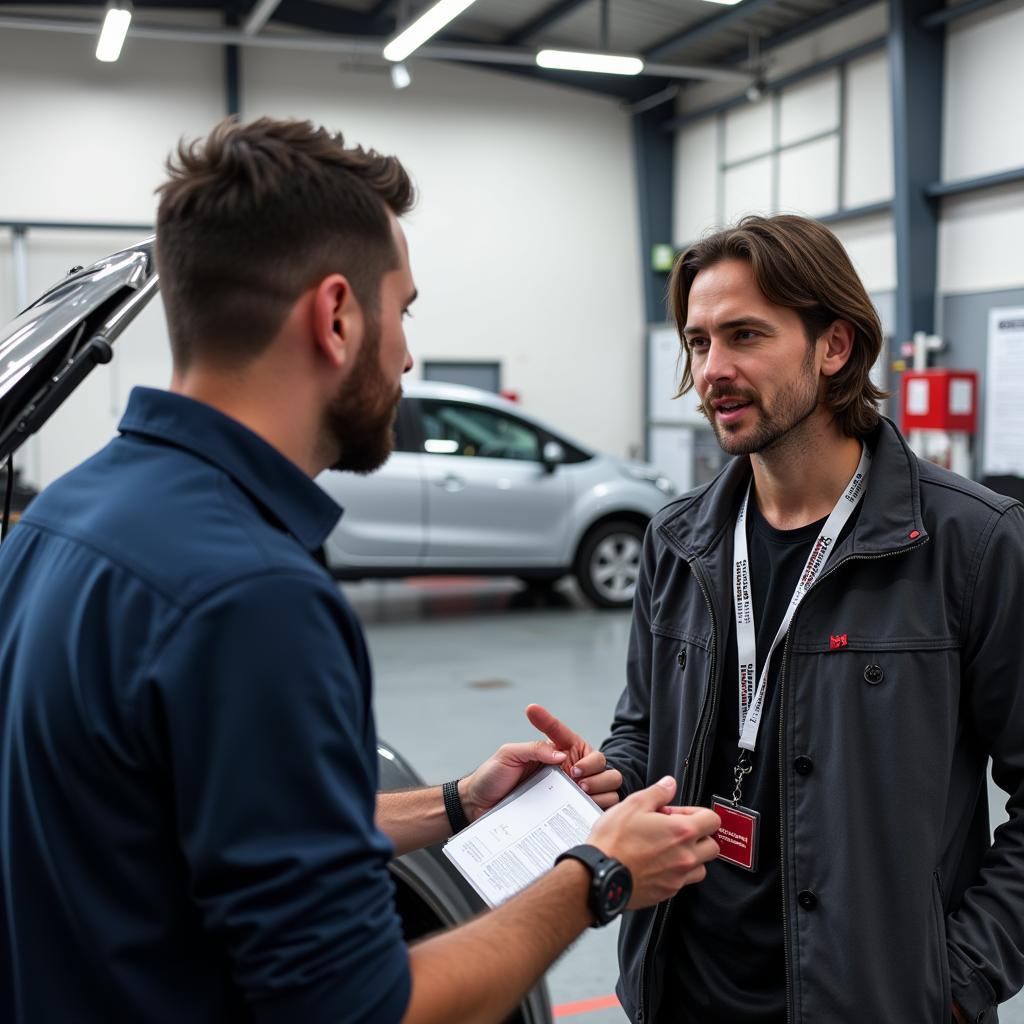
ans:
(260, 14)
(547, 17)
(325, 17)
(728, 19)
(787, 35)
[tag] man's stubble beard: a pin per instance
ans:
(774, 429)
(359, 421)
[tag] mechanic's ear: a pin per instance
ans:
(337, 320)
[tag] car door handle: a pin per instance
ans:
(451, 483)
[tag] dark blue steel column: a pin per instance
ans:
(916, 57)
(655, 156)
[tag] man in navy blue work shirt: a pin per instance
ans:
(189, 823)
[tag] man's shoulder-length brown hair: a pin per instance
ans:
(799, 264)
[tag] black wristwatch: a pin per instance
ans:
(611, 884)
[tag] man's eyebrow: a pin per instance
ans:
(729, 325)
(412, 298)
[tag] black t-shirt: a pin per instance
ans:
(727, 965)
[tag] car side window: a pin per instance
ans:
(405, 435)
(451, 428)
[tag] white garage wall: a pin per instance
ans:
(524, 245)
(90, 138)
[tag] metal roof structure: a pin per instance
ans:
(679, 40)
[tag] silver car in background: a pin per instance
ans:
(477, 486)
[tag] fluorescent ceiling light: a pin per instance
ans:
(728, 3)
(609, 64)
(115, 28)
(427, 24)
(400, 77)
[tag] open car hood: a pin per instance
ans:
(49, 349)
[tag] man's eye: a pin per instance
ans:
(697, 344)
(746, 335)
(407, 314)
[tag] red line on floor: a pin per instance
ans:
(585, 1006)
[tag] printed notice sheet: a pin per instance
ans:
(1004, 385)
(518, 840)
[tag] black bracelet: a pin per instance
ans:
(453, 806)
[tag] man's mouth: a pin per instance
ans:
(729, 409)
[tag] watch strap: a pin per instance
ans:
(453, 806)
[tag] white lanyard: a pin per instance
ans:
(751, 703)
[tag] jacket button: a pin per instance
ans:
(874, 674)
(803, 765)
(681, 657)
(807, 900)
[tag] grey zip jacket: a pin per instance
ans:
(902, 672)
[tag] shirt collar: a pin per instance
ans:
(268, 477)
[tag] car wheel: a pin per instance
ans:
(608, 563)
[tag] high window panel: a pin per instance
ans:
(695, 203)
(809, 108)
(748, 130)
(809, 177)
(748, 189)
(979, 241)
(984, 82)
(871, 246)
(867, 156)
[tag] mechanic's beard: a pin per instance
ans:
(775, 427)
(359, 422)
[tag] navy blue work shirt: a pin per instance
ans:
(187, 749)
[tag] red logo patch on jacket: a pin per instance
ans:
(835, 642)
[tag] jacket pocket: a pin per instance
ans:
(944, 1011)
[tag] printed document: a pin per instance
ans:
(517, 840)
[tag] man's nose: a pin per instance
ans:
(718, 364)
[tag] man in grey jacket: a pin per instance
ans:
(826, 648)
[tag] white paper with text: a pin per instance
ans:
(518, 840)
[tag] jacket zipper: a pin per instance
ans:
(696, 764)
(782, 757)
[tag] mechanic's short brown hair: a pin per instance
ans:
(797, 263)
(253, 215)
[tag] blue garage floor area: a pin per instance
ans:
(457, 660)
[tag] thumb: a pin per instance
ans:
(657, 795)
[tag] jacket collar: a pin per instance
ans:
(271, 480)
(889, 518)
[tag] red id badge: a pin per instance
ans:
(737, 838)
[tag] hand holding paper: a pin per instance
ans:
(509, 766)
(518, 840)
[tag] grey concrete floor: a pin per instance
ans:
(457, 661)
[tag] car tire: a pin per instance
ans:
(608, 563)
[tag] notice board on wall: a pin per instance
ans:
(664, 366)
(1004, 393)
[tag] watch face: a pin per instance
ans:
(616, 888)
